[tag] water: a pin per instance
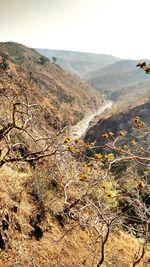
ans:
(79, 130)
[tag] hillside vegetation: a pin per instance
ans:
(117, 119)
(63, 203)
(63, 97)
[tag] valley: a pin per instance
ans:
(74, 159)
(114, 78)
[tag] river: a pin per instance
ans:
(81, 127)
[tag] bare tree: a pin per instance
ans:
(20, 142)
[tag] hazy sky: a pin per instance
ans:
(117, 27)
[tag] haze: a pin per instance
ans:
(116, 27)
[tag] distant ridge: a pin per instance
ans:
(80, 63)
(120, 79)
(114, 77)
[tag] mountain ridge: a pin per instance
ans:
(80, 63)
(111, 76)
(121, 79)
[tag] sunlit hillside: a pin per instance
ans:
(69, 200)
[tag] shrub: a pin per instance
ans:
(4, 64)
(43, 60)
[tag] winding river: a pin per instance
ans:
(81, 127)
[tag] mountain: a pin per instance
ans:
(62, 96)
(111, 76)
(77, 62)
(121, 79)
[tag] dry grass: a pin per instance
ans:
(32, 198)
(69, 246)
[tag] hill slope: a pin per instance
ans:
(109, 75)
(63, 97)
(79, 63)
(120, 79)
(118, 120)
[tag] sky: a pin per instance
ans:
(116, 27)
